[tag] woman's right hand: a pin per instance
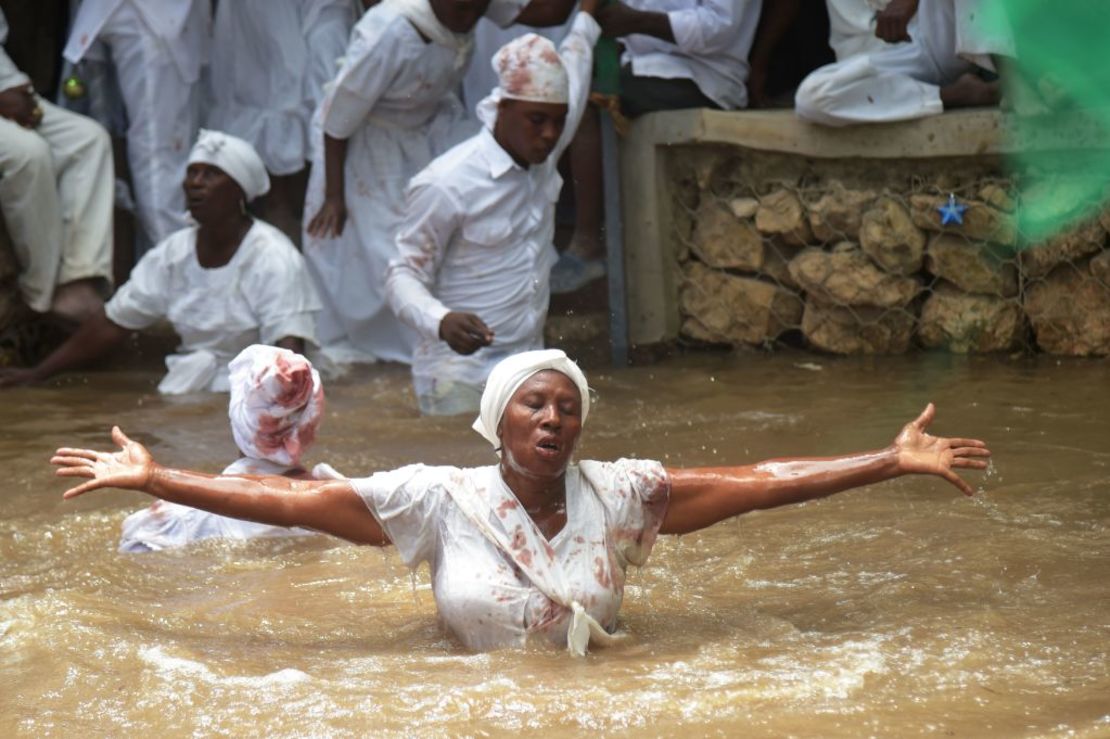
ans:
(131, 468)
(329, 221)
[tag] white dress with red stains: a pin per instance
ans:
(260, 296)
(394, 100)
(492, 596)
(166, 525)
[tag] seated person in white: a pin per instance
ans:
(677, 54)
(277, 402)
(854, 26)
(475, 250)
(932, 73)
(224, 284)
(535, 548)
(56, 183)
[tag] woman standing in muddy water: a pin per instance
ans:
(536, 546)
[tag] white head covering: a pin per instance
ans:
(528, 68)
(510, 373)
(235, 157)
(277, 402)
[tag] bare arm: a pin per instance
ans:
(544, 13)
(332, 216)
(330, 506)
(292, 343)
(617, 20)
(702, 497)
(95, 338)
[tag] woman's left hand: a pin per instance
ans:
(925, 454)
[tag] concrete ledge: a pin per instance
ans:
(650, 266)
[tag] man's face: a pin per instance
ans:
(459, 16)
(529, 131)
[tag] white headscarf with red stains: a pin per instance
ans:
(277, 401)
(528, 68)
(510, 373)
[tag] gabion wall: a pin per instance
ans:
(851, 257)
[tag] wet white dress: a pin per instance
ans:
(170, 525)
(394, 101)
(260, 296)
(493, 595)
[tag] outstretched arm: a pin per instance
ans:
(330, 506)
(702, 497)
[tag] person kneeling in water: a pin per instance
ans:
(277, 402)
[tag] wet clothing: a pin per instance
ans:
(477, 238)
(497, 581)
(903, 81)
(394, 101)
(166, 525)
(270, 62)
(260, 296)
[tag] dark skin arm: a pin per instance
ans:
(329, 221)
(330, 506)
(292, 343)
(617, 19)
(94, 339)
(702, 497)
(544, 13)
(774, 22)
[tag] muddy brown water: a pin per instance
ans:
(900, 609)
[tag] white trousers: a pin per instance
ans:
(56, 193)
(162, 115)
(895, 84)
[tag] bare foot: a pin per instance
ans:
(970, 91)
(77, 300)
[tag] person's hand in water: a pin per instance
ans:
(17, 376)
(131, 468)
(925, 454)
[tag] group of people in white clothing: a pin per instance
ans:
(428, 235)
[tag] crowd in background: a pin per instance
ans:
(363, 132)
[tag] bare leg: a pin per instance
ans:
(282, 206)
(78, 300)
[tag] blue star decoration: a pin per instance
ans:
(952, 212)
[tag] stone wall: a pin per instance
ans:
(849, 255)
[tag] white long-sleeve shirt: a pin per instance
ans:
(477, 238)
(711, 46)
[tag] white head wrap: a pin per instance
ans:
(528, 68)
(510, 373)
(277, 402)
(235, 157)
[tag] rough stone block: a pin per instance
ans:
(974, 268)
(781, 213)
(964, 323)
(723, 241)
(859, 330)
(1071, 246)
(846, 276)
(723, 308)
(997, 196)
(981, 222)
(1100, 267)
(743, 207)
(1070, 312)
(837, 214)
(776, 263)
(888, 235)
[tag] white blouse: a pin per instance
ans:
(261, 296)
(492, 595)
